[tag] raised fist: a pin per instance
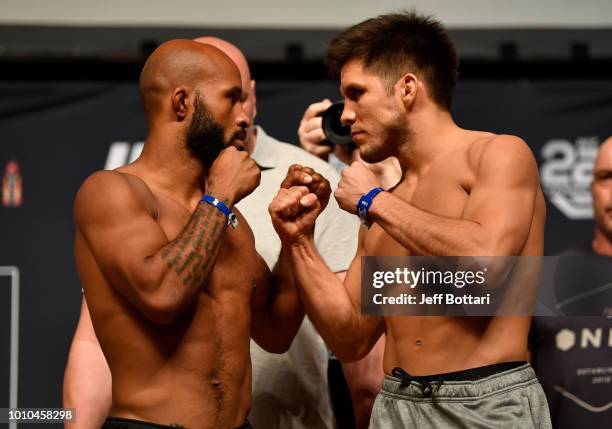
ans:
(233, 175)
(355, 181)
(298, 175)
(294, 212)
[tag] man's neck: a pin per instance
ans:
(173, 170)
(432, 136)
(601, 244)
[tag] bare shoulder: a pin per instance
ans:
(504, 146)
(502, 154)
(107, 192)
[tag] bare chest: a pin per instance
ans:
(443, 191)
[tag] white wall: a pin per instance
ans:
(303, 13)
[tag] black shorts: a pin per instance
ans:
(120, 423)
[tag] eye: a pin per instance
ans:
(235, 96)
(354, 94)
(603, 176)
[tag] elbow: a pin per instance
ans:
(276, 346)
(274, 340)
(160, 317)
(159, 304)
(349, 353)
(161, 310)
(494, 269)
(279, 347)
(348, 356)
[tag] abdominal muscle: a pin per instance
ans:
(439, 344)
(194, 372)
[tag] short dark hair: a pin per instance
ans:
(390, 45)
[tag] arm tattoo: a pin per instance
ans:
(195, 250)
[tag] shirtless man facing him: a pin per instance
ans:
(174, 290)
(462, 193)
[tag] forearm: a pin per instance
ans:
(282, 313)
(87, 383)
(185, 263)
(87, 379)
(327, 302)
(424, 233)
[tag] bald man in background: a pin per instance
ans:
(577, 380)
(157, 247)
(289, 390)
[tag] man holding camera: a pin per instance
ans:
(339, 151)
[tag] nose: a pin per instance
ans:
(242, 119)
(348, 115)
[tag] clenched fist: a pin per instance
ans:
(298, 175)
(233, 175)
(356, 180)
(294, 212)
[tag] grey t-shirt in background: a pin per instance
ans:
(290, 390)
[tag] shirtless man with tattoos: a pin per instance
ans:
(173, 283)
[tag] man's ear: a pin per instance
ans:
(409, 87)
(254, 95)
(180, 103)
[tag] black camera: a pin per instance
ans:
(335, 131)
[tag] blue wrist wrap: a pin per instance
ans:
(231, 217)
(364, 204)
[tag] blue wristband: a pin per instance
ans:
(231, 217)
(364, 204)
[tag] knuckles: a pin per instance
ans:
(287, 201)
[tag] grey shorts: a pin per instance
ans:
(511, 398)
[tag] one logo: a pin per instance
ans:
(121, 153)
(12, 185)
(565, 340)
(567, 173)
(589, 338)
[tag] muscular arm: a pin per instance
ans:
(158, 276)
(334, 307)
(87, 380)
(276, 310)
(497, 216)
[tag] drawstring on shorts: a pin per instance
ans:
(425, 383)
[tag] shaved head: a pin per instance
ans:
(604, 156)
(180, 64)
(191, 94)
(231, 51)
(602, 192)
(248, 85)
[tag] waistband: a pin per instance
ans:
(459, 385)
(122, 423)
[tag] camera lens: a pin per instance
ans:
(334, 130)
